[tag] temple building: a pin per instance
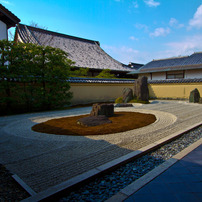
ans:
(7, 20)
(186, 67)
(85, 53)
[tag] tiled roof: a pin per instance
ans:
(175, 81)
(7, 17)
(129, 81)
(135, 66)
(99, 80)
(86, 53)
(193, 61)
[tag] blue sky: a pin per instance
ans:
(128, 30)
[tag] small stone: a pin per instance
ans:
(127, 95)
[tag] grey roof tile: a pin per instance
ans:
(99, 80)
(199, 80)
(86, 53)
(8, 17)
(193, 61)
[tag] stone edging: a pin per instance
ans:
(138, 184)
(117, 162)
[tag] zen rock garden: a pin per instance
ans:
(103, 113)
(141, 94)
(100, 112)
(99, 115)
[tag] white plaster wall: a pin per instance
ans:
(155, 76)
(147, 75)
(189, 74)
(192, 74)
(159, 76)
(3, 31)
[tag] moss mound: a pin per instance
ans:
(121, 122)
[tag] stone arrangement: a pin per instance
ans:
(102, 109)
(123, 105)
(194, 96)
(93, 120)
(127, 95)
(141, 91)
(98, 116)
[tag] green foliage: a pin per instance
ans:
(119, 100)
(33, 76)
(138, 101)
(134, 100)
(105, 73)
(81, 72)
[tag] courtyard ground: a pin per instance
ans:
(44, 160)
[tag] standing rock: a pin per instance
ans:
(194, 96)
(127, 95)
(141, 91)
(102, 109)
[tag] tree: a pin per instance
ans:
(52, 70)
(105, 73)
(34, 76)
(81, 72)
(7, 72)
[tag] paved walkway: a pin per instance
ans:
(45, 160)
(181, 182)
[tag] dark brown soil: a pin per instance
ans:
(121, 122)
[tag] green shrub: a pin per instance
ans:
(119, 100)
(105, 73)
(81, 72)
(139, 101)
(33, 76)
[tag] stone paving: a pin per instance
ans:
(181, 182)
(44, 160)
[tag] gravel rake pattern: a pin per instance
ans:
(104, 187)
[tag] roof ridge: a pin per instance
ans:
(13, 15)
(196, 53)
(59, 34)
(171, 58)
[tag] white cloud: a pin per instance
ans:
(196, 21)
(125, 54)
(133, 38)
(5, 2)
(160, 32)
(174, 23)
(142, 26)
(186, 46)
(135, 4)
(152, 3)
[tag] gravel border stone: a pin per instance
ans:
(106, 186)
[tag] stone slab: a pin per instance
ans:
(138, 184)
